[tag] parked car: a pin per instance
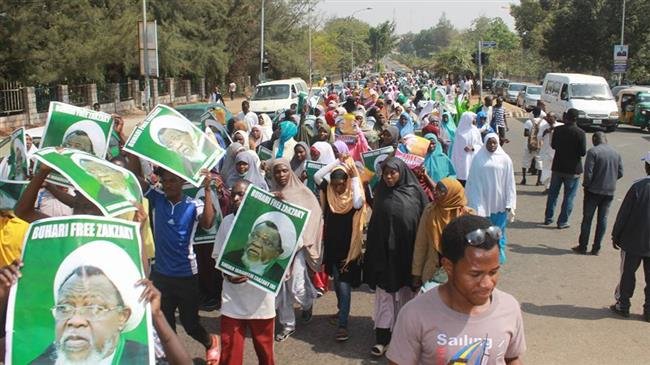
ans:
(487, 83)
(499, 87)
(269, 97)
(513, 90)
(590, 95)
(528, 98)
(634, 106)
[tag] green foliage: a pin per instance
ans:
(382, 40)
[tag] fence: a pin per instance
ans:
(195, 86)
(163, 87)
(105, 93)
(11, 98)
(44, 95)
(179, 88)
(126, 91)
(78, 95)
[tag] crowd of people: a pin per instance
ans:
(428, 238)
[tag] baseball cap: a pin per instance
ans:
(646, 157)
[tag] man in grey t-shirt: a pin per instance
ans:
(465, 320)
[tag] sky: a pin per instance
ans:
(415, 15)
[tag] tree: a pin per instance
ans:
(382, 40)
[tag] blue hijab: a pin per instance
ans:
(450, 127)
(436, 163)
(407, 128)
(288, 130)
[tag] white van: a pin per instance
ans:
(269, 97)
(590, 95)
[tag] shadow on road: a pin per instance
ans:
(531, 193)
(527, 225)
(567, 311)
(538, 250)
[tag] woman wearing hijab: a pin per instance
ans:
(241, 137)
(300, 158)
(247, 167)
(322, 152)
(228, 165)
(344, 210)
(256, 137)
(447, 133)
(267, 127)
(389, 137)
(433, 126)
(491, 189)
(405, 124)
(287, 186)
(466, 145)
(340, 148)
(436, 163)
(450, 202)
(398, 205)
(283, 147)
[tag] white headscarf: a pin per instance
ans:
(243, 134)
(267, 127)
(466, 135)
(326, 152)
(491, 183)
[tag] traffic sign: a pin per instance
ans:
(488, 44)
(621, 52)
(620, 67)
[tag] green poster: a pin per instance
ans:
(199, 234)
(210, 120)
(18, 163)
(10, 192)
(263, 239)
(111, 188)
(372, 161)
(76, 301)
(168, 139)
(311, 167)
(264, 153)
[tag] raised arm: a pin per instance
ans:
(206, 220)
(25, 208)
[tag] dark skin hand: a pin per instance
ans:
(25, 207)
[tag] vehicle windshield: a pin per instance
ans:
(516, 87)
(643, 98)
(537, 90)
(271, 92)
(591, 92)
(194, 115)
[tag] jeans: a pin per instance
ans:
(631, 264)
(343, 297)
(592, 202)
(570, 189)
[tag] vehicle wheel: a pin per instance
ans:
(610, 129)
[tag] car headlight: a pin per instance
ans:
(643, 112)
(582, 114)
(613, 115)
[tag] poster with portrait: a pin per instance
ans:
(263, 239)
(111, 188)
(168, 139)
(264, 153)
(18, 163)
(10, 193)
(76, 301)
(311, 168)
(372, 161)
(78, 128)
(211, 120)
(411, 160)
(199, 234)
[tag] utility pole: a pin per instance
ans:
(620, 76)
(145, 46)
(480, 72)
(262, 44)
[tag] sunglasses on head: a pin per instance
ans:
(479, 236)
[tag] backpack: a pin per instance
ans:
(533, 141)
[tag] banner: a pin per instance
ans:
(18, 162)
(111, 188)
(347, 139)
(10, 193)
(208, 121)
(311, 167)
(81, 268)
(264, 153)
(263, 239)
(416, 145)
(78, 128)
(200, 235)
(168, 139)
(411, 160)
(372, 161)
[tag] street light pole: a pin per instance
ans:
(145, 56)
(620, 76)
(351, 41)
(262, 44)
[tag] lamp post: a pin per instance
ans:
(145, 56)
(262, 44)
(620, 76)
(351, 41)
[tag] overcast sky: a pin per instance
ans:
(415, 15)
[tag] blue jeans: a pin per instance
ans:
(570, 189)
(591, 203)
(343, 297)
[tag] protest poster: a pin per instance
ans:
(10, 192)
(200, 235)
(18, 163)
(411, 160)
(215, 120)
(263, 239)
(70, 126)
(111, 188)
(416, 145)
(349, 140)
(79, 267)
(168, 139)
(347, 125)
(264, 153)
(311, 167)
(372, 161)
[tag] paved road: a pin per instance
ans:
(564, 296)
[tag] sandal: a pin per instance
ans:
(213, 354)
(378, 350)
(284, 334)
(342, 334)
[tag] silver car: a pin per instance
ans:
(529, 97)
(513, 91)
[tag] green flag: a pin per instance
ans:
(372, 161)
(168, 139)
(111, 188)
(262, 239)
(80, 267)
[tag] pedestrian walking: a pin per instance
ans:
(569, 143)
(232, 88)
(603, 167)
(631, 233)
(532, 161)
(546, 152)
(466, 145)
